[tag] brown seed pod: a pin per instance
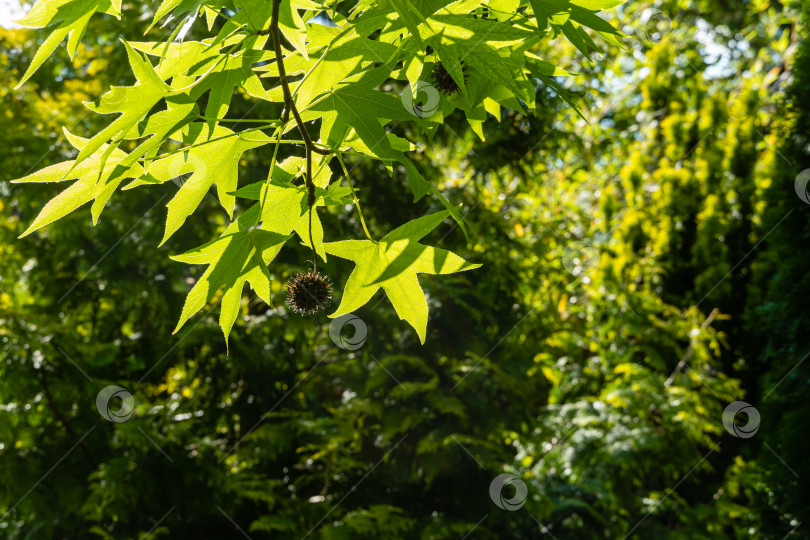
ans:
(444, 81)
(308, 293)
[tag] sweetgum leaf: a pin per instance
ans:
(393, 264)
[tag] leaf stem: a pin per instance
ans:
(356, 200)
(238, 120)
(315, 65)
(279, 132)
(249, 20)
(183, 149)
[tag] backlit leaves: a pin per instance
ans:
(346, 64)
(132, 102)
(393, 264)
(70, 18)
(86, 174)
(239, 256)
(212, 159)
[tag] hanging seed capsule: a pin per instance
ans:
(308, 293)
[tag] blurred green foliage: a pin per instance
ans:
(642, 270)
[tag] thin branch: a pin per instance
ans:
(290, 107)
(688, 354)
(289, 104)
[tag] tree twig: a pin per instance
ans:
(289, 106)
(688, 354)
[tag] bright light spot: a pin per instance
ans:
(11, 10)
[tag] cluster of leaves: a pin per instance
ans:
(337, 55)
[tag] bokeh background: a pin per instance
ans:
(646, 266)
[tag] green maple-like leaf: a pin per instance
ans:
(89, 174)
(568, 15)
(178, 59)
(360, 106)
(494, 51)
(410, 16)
(70, 18)
(156, 130)
(257, 14)
(284, 206)
(336, 53)
(211, 159)
(221, 80)
(284, 210)
(239, 256)
(177, 8)
(393, 264)
(132, 102)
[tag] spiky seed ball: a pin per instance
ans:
(444, 81)
(308, 293)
